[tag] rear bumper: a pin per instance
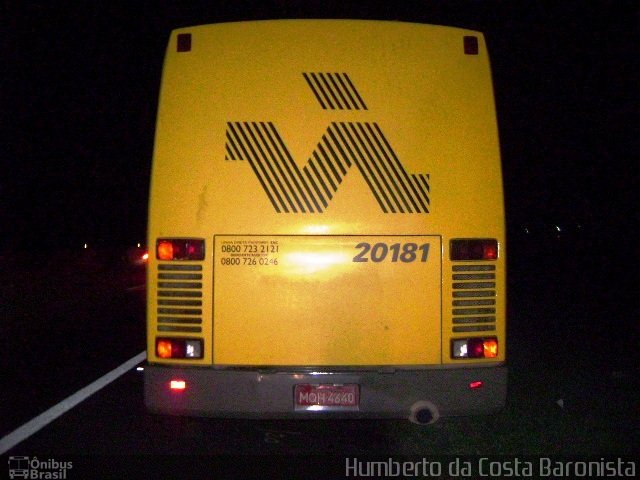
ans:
(256, 394)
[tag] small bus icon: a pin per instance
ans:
(18, 467)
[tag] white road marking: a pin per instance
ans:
(35, 424)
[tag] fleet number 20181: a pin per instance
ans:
(396, 252)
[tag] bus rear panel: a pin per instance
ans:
(326, 223)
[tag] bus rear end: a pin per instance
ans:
(327, 216)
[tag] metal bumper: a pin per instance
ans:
(266, 394)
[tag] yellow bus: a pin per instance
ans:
(326, 223)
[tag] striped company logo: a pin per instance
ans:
(334, 91)
(309, 189)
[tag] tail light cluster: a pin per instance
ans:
(473, 249)
(181, 348)
(475, 347)
(179, 249)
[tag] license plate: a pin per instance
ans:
(326, 397)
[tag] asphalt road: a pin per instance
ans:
(64, 326)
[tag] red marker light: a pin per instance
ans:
(178, 385)
(475, 385)
(184, 42)
(470, 45)
(490, 250)
(474, 249)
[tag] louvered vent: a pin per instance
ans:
(474, 298)
(179, 298)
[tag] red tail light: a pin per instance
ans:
(475, 348)
(179, 249)
(474, 249)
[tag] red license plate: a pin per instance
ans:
(326, 397)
